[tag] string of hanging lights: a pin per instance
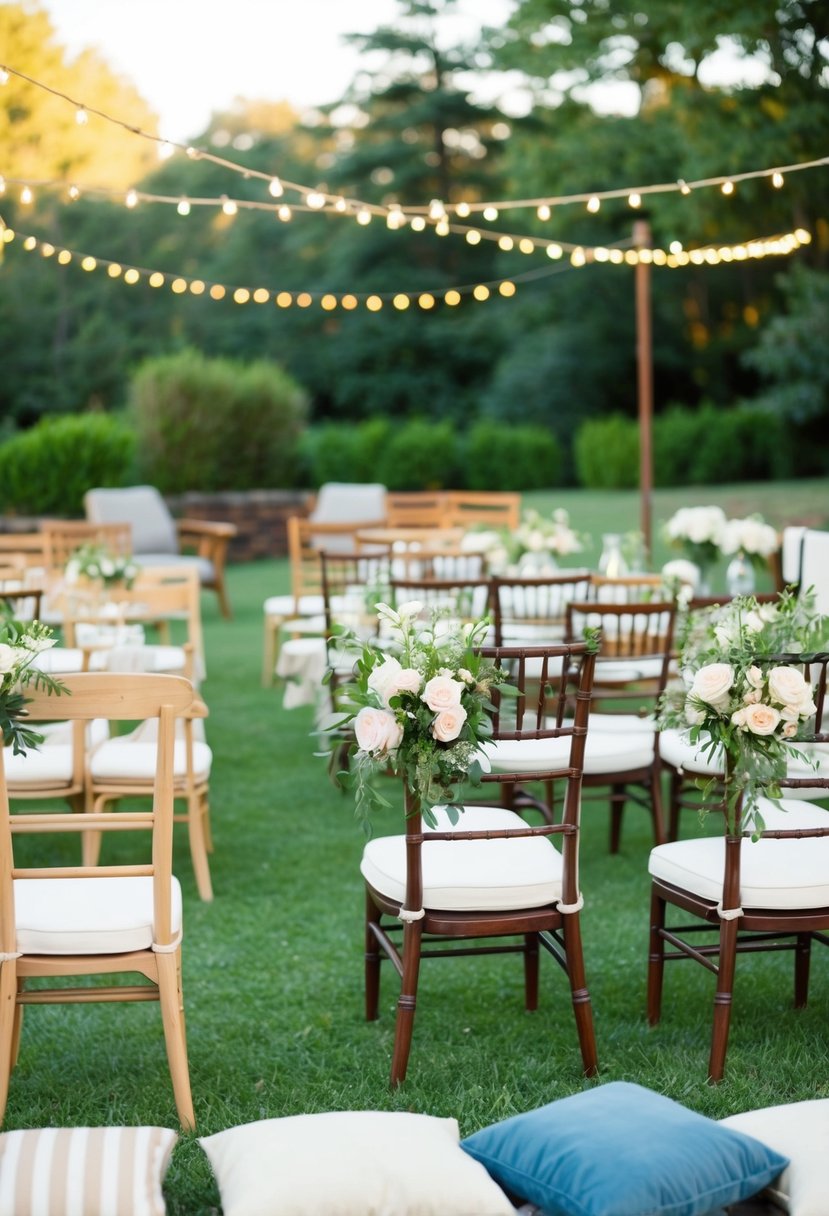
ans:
(781, 245)
(437, 211)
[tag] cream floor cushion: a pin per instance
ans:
(800, 1131)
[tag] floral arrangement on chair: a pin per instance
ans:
(737, 694)
(97, 564)
(20, 644)
(421, 707)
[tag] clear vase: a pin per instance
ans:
(739, 577)
(612, 563)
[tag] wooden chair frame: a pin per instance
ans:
(738, 930)
(115, 697)
(555, 926)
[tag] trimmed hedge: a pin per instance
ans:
(706, 446)
(48, 469)
(216, 424)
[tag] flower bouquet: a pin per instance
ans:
(697, 532)
(20, 644)
(96, 564)
(421, 707)
(751, 536)
(738, 694)
(536, 542)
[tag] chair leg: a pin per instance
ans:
(198, 846)
(18, 1026)
(583, 1010)
(372, 961)
(224, 602)
(723, 999)
(91, 841)
(656, 959)
(269, 650)
(531, 971)
(172, 1017)
(407, 1001)
(657, 811)
(802, 960)
(8, 1010)
(617, 809)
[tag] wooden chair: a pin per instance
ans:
(437, 883)
(753, 895)
(159, 539)
(63, 537)
(21, 549)
(463, 597)
(63, 920)
(493, 508)
(626, 588)
(631, 673)
(534, 610)
(416, 509)
(302, 611)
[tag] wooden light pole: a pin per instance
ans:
(644, 380)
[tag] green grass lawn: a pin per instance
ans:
(273, 967)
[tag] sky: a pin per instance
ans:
(190, 57)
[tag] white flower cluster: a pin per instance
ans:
(94, 562)
(750, 536)
(697, 525)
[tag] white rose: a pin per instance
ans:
(377, 731)
(789, 730)
(448, 723)
(738, 718)
(713, 683)
(694, 716)
(787, 686)
(442, 693)
(412, 608)
(754, 676)
(761, 719)
(8, 657)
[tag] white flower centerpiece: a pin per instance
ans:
(697, 533)
(20, 644)
(96, 564)
(534, 546)
(421, 707)
(738, 695)
(750, 542)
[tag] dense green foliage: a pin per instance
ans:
(562, 350)
(216, 424)
(48, 469)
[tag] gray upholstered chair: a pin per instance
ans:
(158, 538)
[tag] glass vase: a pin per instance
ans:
(612, 563)
(739, 576)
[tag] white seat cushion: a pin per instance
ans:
(286, 605)
(781, 874)
(622, 671)
(60, 660)
(206, 569)
(470, 875)
(605, 752)
(87, 915)
(125, 759)
(45, 764)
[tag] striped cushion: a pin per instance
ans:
(99, 1171)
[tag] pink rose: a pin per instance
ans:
(377, 731)
(390, 678)
(789, 730)
(442, 692)
(761, 719)
(447, 725)
(712, 684)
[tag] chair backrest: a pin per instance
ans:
(462, 598)
(814, 571)
(492, 508)
(416, 509)
(63, 537)
(352, 583)
(21, 549)
(307, 539)
(115, 697)
(635, 651)
(340, 502)
(626, 588)
(153, 527)
(553, 685)
(526, 608)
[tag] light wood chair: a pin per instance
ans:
(436, 885)
(63, 920)
(416, 509)
(770, 893)
(492, 508)
(63, 537)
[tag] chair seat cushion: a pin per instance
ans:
(470, 875)
(206, 569)
(61, 660)
(287, 606)
(52, 760)
(87, 915)
(605, 752)
(777, 874)
(676, 749)
(125, 759)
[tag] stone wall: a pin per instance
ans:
(259, 516)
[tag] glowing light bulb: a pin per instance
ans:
(491, 214)
(165, 150)
(593, 204)
(634, 199)
(442, 227)
(285, 214)
(315, 199)
(675, 246)
(74, 193)
(577, 257)
(26, 196)
(418, 223)
(81, 116)
(727, 187)
(462, 210)
(156, 279)
(481, 292)
(554, 251)
(4, 76)
(506, 243)
(363, 216)
(275, 189)
(452, 298)
(183, 207)
(777, 180)
(684, 188)
(426, 300)
(341, 205)
(436, 209)
(228, 205)
(544, 212)
(131, 199)
(132, 275)
(2, 184)
(526, 245)
(473, 237)
(506, 289)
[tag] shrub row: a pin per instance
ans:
(706, 446)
